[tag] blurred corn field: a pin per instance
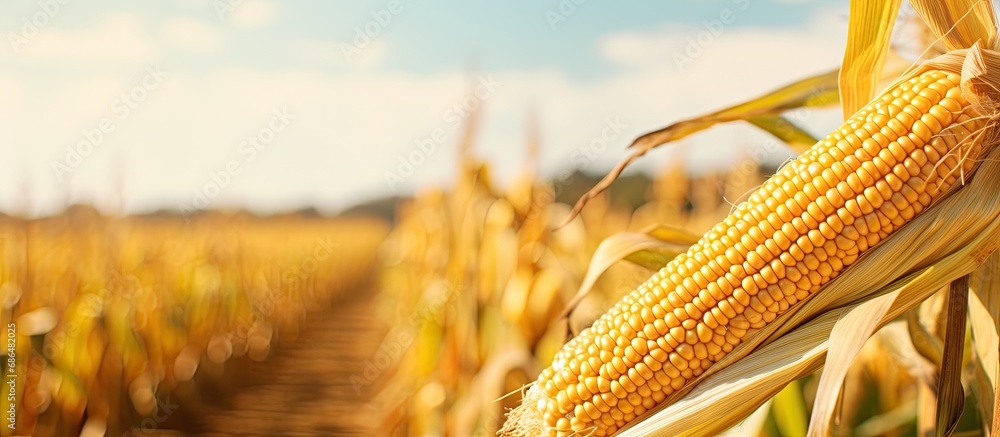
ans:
(109, 318)
(475, 280)
(464, 304)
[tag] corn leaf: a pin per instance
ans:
(480, 404)
(654, 243)
(849, 335)
(672, 234)
(995, 429)
(984, 321)
(923, 341)
(785, 130)
(653, 259)
(812, 92)
(951, 396)
(959, 23)
(886, 423)
(869, 29)
(790, 415)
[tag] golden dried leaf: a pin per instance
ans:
(655, 242)
(869, 29)
(984, 320)
(812, 92)
(959, 23)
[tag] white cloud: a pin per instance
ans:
(193, 35)
(697, 69)
(118, 37)
(253, 14)
(684, 72)
(327, 53)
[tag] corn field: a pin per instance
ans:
(852, 290)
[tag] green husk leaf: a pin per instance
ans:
(791, 414)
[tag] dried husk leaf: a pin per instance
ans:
(659, 240)
(959, 23)
(869, 30)
(849, 335)
(951, 394)
(479, 404)
(925, 343)
(812, 92)
(984, 321)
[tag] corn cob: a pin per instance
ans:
(810, 221)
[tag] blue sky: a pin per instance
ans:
(352, 122)
(435, 36)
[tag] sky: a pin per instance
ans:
(272, 106)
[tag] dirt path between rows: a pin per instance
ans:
(305, 389)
